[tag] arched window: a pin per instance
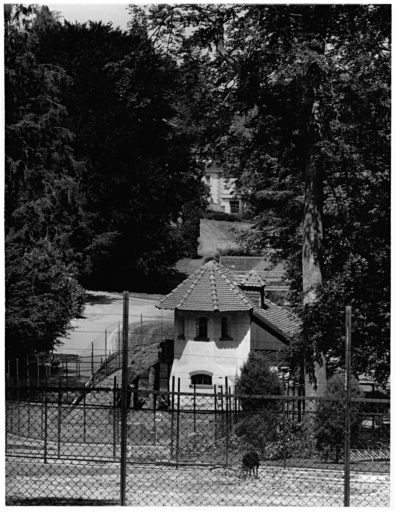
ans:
(201, 379)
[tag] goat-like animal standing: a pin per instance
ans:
(251, 463)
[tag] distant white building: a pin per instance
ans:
(223, 195)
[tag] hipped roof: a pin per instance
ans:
(210, 288)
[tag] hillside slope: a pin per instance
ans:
(219, 234)
(214, 235)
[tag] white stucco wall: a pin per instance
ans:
(218, 358)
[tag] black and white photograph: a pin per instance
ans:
(197, 254)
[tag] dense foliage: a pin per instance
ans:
(256, 378)
(329, 423)
(260, 424)
(44, 205)
(140, 169)
(294, 102)
(96, 169)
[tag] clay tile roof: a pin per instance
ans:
(210, 288)
(279, 319)
(252, 279)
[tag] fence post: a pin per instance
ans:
(49, 368)
(154, 419)
(66, 379)
(29, 399)
(45, 426)
(124, 385)
(348, 313)
(227, 422)
(215, 415)
(17, 383)
(194, 408)
(230, 409)
(114, 416)
(284, 436)
(92, 364)
(84, 417)
(59, 416)
(172, 416)
(177, 422)
(235, 407)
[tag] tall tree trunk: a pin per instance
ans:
(315, 380)
(312, 261)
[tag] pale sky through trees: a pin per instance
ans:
(83, 12)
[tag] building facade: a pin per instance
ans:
(223, 195)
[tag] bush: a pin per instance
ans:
(229, 217)
(298, 440)
(258, 430)
(329, 423)
(190, 230)
(256, 378)
(234, 251)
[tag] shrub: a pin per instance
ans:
(229, 217)
(234, 251)
(329, 423)
(258, 430)
(190, 230)
(256, 378)
(298, 440)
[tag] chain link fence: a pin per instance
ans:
(63, 447)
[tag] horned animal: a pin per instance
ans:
(251, 463)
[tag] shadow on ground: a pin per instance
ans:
(92, 299)
(53, 502)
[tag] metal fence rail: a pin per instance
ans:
(63, 447)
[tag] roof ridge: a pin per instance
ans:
(216, 291)
(215, 302)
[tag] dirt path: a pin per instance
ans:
(66, 484)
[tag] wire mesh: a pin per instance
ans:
(192, 449)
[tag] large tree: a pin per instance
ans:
(297, 106)
(44, 205)
(122, 106)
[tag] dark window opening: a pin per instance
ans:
(225, 329)
(201, 379)
(201, 329)
(181, 334)
(234, 206)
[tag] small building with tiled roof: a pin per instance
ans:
(241, 265)
(217, 322)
